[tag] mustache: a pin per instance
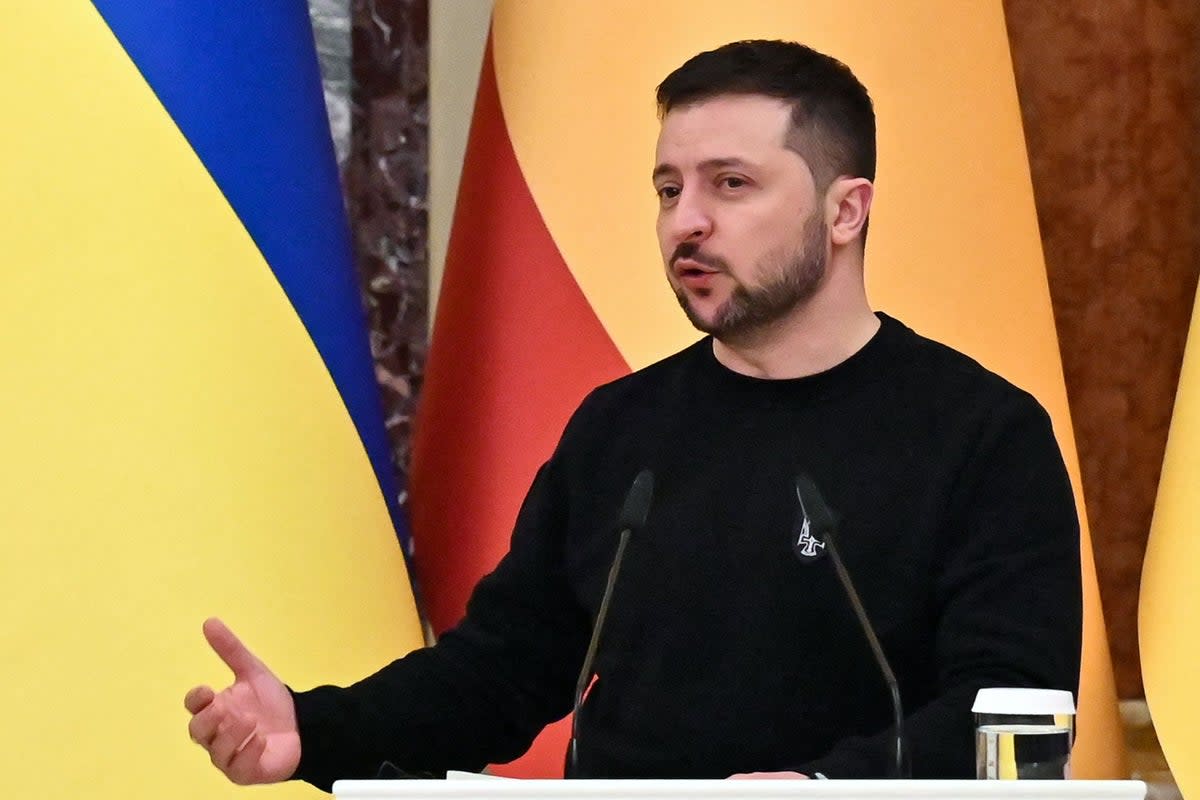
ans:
(691, 251)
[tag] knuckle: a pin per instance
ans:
(201, 731)
(221, 736)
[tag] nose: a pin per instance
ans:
(688, 220)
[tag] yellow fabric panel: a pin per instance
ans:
(954, 249)
(173, 446)
(1007, 758)
(1170, 602)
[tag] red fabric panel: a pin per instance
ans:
(515, 348)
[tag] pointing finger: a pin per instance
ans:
(231, 650)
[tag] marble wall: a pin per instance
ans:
(331, 28)
(1110, 93)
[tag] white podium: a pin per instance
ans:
(499, 789)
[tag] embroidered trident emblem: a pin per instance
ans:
(808, 546)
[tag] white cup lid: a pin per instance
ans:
(1023, 701)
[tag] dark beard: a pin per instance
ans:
(750, 309)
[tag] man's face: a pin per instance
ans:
(742, 235)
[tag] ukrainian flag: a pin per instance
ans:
(188, 424)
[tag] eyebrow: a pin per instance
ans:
(708, 165)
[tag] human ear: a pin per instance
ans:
(848, 204)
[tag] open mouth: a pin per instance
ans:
(685, 268)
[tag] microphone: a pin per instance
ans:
(819, 525)
(633, 517)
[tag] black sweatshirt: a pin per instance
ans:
(724, 651)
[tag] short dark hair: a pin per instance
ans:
(833, 121)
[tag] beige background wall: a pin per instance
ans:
(457, 32)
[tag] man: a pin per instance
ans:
(730, 648)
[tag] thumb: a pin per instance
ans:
(231, 650)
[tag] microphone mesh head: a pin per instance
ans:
(820, 516)
(637, 502)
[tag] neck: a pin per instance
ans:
(832, 325)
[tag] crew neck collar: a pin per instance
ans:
(869, 359)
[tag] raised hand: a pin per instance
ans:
(249, 729)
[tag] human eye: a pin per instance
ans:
(732, 182)
(666, 192)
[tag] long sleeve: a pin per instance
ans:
(1008, 596)
(484, 691)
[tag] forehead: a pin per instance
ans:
(726, 126)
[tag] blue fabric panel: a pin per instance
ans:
(241, 80)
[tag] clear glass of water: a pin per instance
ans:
(1023, 734)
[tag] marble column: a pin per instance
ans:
(386, 179)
